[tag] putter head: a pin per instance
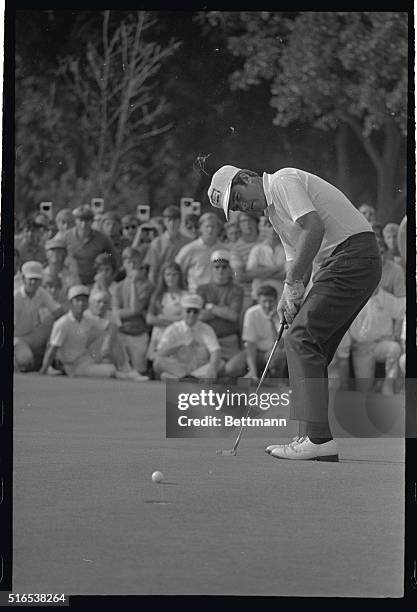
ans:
(227, 453)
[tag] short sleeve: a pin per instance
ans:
(58, 334)
(288, 192)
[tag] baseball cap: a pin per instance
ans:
(171, 212)
(219, 190)
(83, 212)
(55, 243)
(77, 290)
(192, 300)
(32, 269)
(220, 255)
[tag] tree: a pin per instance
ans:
(345, 72)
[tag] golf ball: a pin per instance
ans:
(157, 477)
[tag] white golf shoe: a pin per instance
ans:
(272, 447)
(305, 450)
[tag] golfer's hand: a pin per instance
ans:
(290, 301)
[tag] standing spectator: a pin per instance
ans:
(164, 248)
(30, 332)
(64, 220)
(259, 334)
(105, 268)
(231, 229)
(194, 258)
(368, 212)
(130, 226)
(393, 276)
(59, 265)
(267, 262)
(375, 335)
(190, 226)
(165, 305)
(31, 245)
(223, 299)
(188, 347)
(74, 334)
(84, 243)
(390, 236)
(131, 299)
(249, 237)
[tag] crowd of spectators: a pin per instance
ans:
(108, 296)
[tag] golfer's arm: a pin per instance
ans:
(309, 241)
(48, 358)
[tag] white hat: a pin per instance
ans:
(219, 190)
(220, 255)
(192, 300)
(32, 269)
(77, 290)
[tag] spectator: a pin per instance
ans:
(402, 241)
(390, 237)
(130, 226)
(159, 224)
(190, 226)
(18, 279)
(72, 337)
(164, 248)
(99, 309)
(403, 346)
(165, 305)
(259, 334)
(31, 244)
(30, 333)
(105, 268)
(84, 243)
(248, 226)
(375, 335)
(231, 229)
(59, 265)
(368, 212)
(188, 347)
(64, 220)
(53, 285)
(131, 299)
(223, 299)
(194, 258)
(393, 277)
(267, 262)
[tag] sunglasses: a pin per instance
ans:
(192, 310)
(133, 227)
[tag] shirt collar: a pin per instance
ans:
(266, 183)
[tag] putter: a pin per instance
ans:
(233, 451)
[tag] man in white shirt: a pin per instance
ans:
(334, 267)
(30, 332)
(188, 347)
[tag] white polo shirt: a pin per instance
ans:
(257, 328)
(72, 337)
(292, 193)
(180, 334)
(27, 309)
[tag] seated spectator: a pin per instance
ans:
(267, 262)
(53, 285)
(130, 226)
(390, 236)
(194, 258)
(31, 245)
(188, 347)
(368, 212)
(84, 243)
(393, 276)
(249, 237)
(190, 226)
(165, 305)
(165, 247)
(30, 332)
(232, 232)
(99, 309)
(59, 265)
(105, 268)
(18, 279)
(131, 299)
(222, 300)
(375, 336)
(64, 220)
(259, 334)
(72, 337)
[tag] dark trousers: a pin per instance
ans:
(341, 288)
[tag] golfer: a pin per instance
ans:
(334, 266)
